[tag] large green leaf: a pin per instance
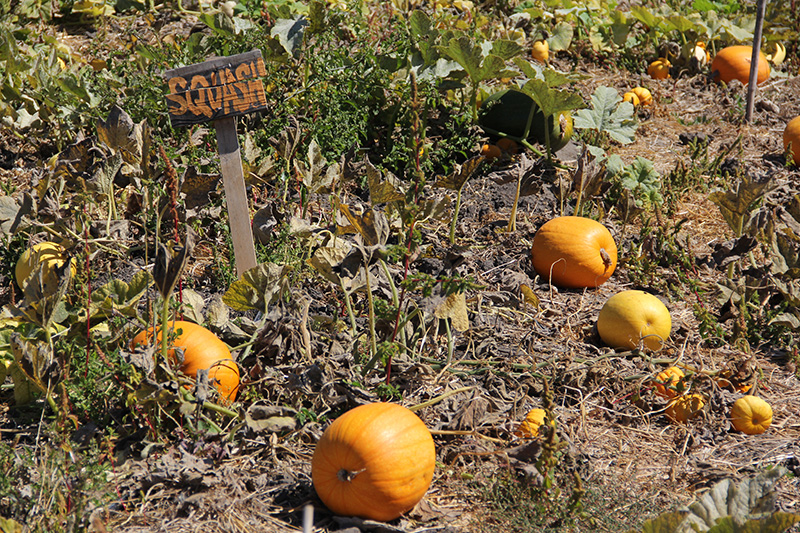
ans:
(561, 37)
(479, 67)
(608, 113)
(549, 100)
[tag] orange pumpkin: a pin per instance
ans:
(491, 151)
(375, 461)
(751, 415)
(529, 427)
(733, 63)
(791, 139)
(668, 382)
(659, 69)
(574, 252)
(201, 350)
(684, 408)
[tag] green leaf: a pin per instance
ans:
(289, 33)
(551, 101)
(257, 288)
(681, 23)
(117, 296)
(609, 115)
(561, 37)
(775, 523)
(479, 67)
(645, 16)
(620, 27)
(505, 49)
(736, 33)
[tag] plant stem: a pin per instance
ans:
(371, 313)
(164, 329)
(455, 214)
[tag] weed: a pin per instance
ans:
(53, 489)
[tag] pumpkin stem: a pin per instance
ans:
(347, 475)
(607, 263)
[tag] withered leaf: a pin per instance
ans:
(12, 212)
(257, 288)
(458, 178)
(382, 190)
(454, 307)
(270, 418)
(119, 133)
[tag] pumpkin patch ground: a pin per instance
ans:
(396, 266)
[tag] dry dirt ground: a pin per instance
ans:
(618, 438)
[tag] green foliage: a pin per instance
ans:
(639, 179)
(52, 490)
(746, 507)
(608, 115)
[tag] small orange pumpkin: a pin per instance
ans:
(375, 461)
(201, 350)
(529, 427)
(751, 415)
(684, 408)
(541, 50)
(491, 151)
(574, 252)
(791, 139)
(631, 97)
(733, 63)
(659, 69)
(668, 382)
(644, 95)
(508, 146)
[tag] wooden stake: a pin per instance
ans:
(235, 195)
(754, 64)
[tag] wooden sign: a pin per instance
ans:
(220, 90)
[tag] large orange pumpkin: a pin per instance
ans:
(791, 139)
(375, 461)
(733, 63)
(201, 350)
(574, 252)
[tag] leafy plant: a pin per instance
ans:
(730, 508)
(608, 115)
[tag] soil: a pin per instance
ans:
(633, 460)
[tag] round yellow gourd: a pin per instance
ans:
(659, 69)
(751, 415)
(631, 97)
(630, 318)
(50, 255)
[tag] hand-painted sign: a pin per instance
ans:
(219, 88)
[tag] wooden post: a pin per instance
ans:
(761, 8)
(235, 195)
(219, 90)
